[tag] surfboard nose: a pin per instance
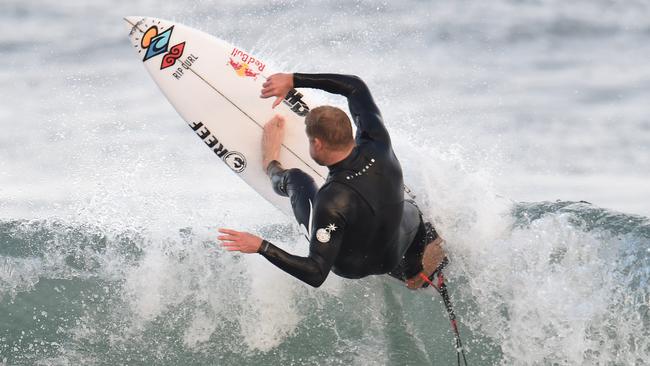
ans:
(131, 21)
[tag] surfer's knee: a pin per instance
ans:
(278, 178)
(296, 179)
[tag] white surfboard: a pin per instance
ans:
(215, 87)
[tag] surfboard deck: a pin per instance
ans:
(215, 87)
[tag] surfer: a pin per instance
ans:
(358, 222)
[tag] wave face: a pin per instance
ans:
(109, 204)
(565, 283)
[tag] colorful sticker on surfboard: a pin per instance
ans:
(155, 41)
(244, 64)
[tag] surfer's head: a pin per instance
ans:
(330, 133)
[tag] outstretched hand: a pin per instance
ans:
(277, 85)
(239, 241)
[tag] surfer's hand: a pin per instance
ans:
(277, 85)
(239, 241)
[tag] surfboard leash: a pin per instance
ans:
(441, 288)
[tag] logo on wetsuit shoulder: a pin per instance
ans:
(362, 171)
(324, 234)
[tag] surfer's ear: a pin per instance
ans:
(318, 144)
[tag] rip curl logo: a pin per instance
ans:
(325, 234)
(174, 54)
(156, 43)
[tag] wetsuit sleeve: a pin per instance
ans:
(365, 112)
(326, 238)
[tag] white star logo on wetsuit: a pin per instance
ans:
(324, 234)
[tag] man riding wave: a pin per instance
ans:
(359, 222)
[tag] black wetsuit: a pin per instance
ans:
(360, 225)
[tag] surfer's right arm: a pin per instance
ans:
(365, 113)
(312, 269)
(325, 242)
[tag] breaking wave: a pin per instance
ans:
(566, 283)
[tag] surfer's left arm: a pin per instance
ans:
(363, 109)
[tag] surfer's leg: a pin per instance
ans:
(424, 255)
(298, 186)
(432, 259)
(411, 263)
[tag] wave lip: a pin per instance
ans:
(588, 216)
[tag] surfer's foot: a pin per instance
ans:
(432, 261)
(272, 140)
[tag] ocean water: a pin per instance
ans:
(523, 127)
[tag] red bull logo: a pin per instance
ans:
(245, 65)
(243, 69)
